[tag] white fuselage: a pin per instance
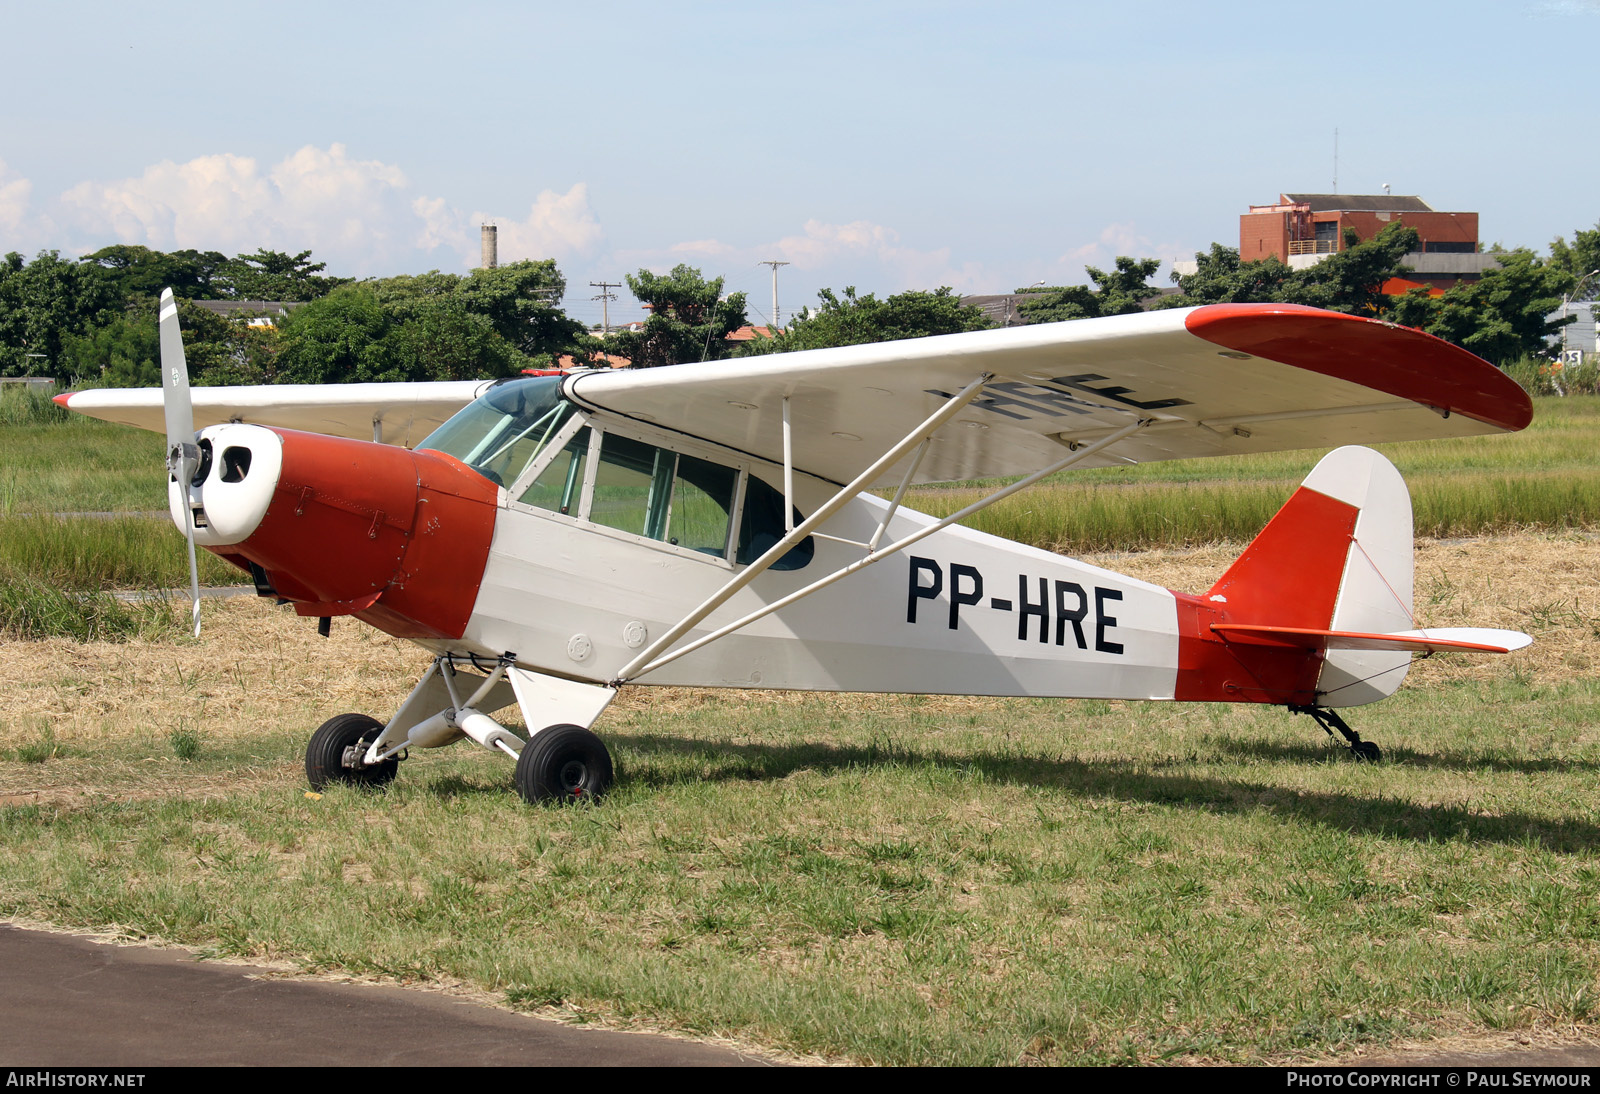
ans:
(959, 612)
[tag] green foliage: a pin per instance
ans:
(34, 608)
(185, 741)
(1351, 281)
(518, 303)
(853, 320)
(125, 352)
(27, 405)
(1500, 317)
(139, 271)
(342, 338)
(429, 327)
(1538, 375)
(1580, 259)
(1122, 290)
(689, 320)
(42, 304)
(272, 275)
(1222, 279)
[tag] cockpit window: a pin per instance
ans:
(499, 434)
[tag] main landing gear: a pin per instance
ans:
(337, 754)
(562, 762)
(1329, 721)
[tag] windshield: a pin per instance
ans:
(500, 433)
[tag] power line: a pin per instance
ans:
(605, 297)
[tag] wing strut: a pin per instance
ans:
(846, 494)
(633, 671)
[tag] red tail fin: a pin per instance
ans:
(1290, 574)
(1336, 557)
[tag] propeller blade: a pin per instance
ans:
(175, 390)
(183, 455)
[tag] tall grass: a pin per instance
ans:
(116, 552)
(1541, 376)
(26, 405)
(1547, 476)
(33, 608)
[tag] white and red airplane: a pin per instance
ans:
(551, 539)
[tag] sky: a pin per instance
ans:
(889, 146)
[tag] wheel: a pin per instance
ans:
(334, 754)
(563, 763)
(1366, 751)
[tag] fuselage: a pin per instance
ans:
(579, 538)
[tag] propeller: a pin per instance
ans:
(183, 455)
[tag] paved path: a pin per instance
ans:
(69, 1001)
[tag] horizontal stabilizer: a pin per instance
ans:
(1433, 640)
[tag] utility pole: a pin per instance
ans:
(774, 264)
(605, 298)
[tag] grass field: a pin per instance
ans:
(887, 879)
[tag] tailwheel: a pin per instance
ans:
(337, 749)
(564, 763)
(1329, 720)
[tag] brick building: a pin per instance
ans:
(1302, 229)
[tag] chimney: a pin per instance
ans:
(491, 256)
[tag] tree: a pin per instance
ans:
(342, 338)
(123, 353)
(1579, 260)
(689, 320)
(139, 271)
(1220, 278)
(42, 304)
(1351, 281)
(1500, 317)
(441, 339)
(853, 320)
(1122, 290)
(517, 303)
(272, 275)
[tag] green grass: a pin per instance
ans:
(910, 882)
(34, 608)
(117, 552)
(1547, 476)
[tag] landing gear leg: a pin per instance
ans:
(1329, 720)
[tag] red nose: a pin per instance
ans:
(396, 538)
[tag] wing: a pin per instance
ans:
(1214, 380)
(395, 413)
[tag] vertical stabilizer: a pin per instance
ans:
(1336, 557)
(1375, 589)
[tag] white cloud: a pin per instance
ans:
(14, 193)
(359, 216)
(22, 227)
(557, 226)
(861, 253)
(320, 199)
(1102, 252)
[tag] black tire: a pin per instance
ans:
(325, 755)
(1367, 752)
(563, 764)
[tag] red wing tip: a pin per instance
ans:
(64, 399)
(1377, 354)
